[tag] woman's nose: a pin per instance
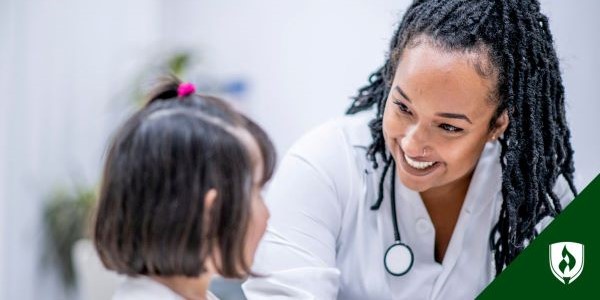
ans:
(414, 141)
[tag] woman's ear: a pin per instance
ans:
(499, 127)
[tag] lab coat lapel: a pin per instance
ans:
(482, 192)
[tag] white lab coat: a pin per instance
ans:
(324, 242)
(145, 288)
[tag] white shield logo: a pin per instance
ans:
(566, 261)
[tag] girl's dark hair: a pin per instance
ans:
(151, 218)
(515, 37)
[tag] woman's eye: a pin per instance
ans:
(450, 128)
(403, 108)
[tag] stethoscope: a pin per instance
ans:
(398, 258)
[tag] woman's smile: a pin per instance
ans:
(417, 167)
(438, 103)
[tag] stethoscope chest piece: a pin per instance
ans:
(398, 259)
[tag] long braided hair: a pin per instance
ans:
(516, 38)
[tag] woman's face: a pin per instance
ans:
(437, 116)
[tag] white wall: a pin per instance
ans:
(5, 28)
(306, 58)
(62, 63)
(575, 27)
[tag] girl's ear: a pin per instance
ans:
(209, 198)
(213, 255)
(500, 126)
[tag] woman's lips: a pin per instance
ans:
(418, 164)
(417, 168)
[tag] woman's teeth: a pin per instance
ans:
(418, 164)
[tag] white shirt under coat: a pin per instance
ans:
(324, 242)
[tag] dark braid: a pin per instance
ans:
(536, 148)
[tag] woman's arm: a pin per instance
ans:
(298, 252)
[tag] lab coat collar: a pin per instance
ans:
(484, 190)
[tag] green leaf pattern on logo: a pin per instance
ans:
(568, 260)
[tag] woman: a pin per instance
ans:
(464, 160)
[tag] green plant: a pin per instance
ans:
(67, 213)
(66, 220)
(177, 63)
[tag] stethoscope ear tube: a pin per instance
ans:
(398, 258)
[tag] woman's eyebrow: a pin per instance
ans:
(442, 114)
(454, 116)
(399, 90)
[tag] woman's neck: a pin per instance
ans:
(454, 192)
(443, 205)
(190, 288)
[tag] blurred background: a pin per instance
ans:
(71, 70)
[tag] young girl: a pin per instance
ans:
(463, 161)
(180, 198)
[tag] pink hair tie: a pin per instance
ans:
(185, 89)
